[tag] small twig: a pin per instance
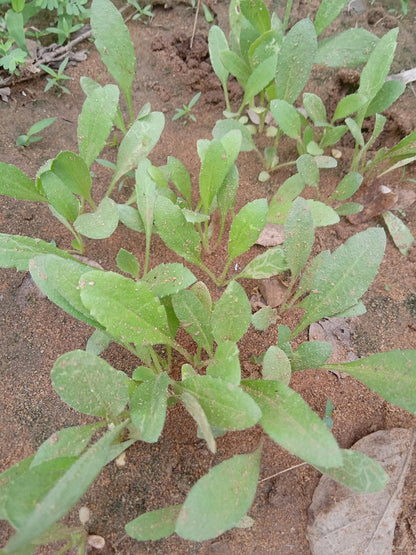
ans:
(191, 43)
(282, 472)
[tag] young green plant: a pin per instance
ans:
(32, 134)
(57, 78)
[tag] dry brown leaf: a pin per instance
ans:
(272, 235)
(342, 522)
(406, 198)
(273, 291)
(383, 200)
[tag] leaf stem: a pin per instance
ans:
(287, 14)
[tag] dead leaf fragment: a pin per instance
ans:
(406, 198)
(383, 200)
(348, 523)
(272, 235)
(273, 291)
(5, 93)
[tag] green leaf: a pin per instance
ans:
(264, 318)
(226, 363)
(69, 442)
(40, 126)
(276, 365)
(130, 217)
(345, 277)
(256, 12)
(138, 142)
(392, 375)
(15, 27)
(148, 407)
(308, 169)
(289, 421)
(322, 214)
(328, 10)
(178, 234)
(26, 492)
(59, 196)
(358, 472)
(265, 265)
(128, 263)
(299, 236)
(246, 227)
(223, 126)
(236, 66)
(355, 131)
(309, 273)
(89, 384)
(287, 118)
(113, 42)
(73, 172)
(215, 166)
(194, 318)
(350, 48)
(311, 354)
(400, 233)
(226, 405)
(220, 499)
(154, 525)
(217, 43)
(347, 186)
(231, 316)
(99, 224)
(349, 208)
(201, 291)
(98, 342)
(198, 414)
(8, 478)
(14, 183)
(58, 278)
(349, 105)
(227, 193)
(126, 308)
(16, 251)
(260, 78)
(295, 60)
(290, 189)
(386, 96)
(377, 68)
(315, 108)
(169, 279)
(333, 135)
(96, 120)
(145, 195)
(181, 178)
(68, 489)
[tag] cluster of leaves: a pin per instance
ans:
(145, 307)
(273, 68)
(70, 17)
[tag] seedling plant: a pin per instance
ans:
(33, 132)
(186, 111)
(143, 306)
(57, 78)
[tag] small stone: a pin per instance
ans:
(84, 515)
(121, 460)
(98, 542)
